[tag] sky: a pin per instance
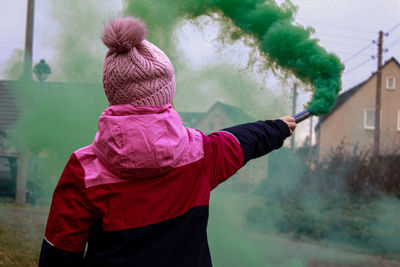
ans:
(346, 28)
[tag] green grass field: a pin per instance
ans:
(232, 243)
(21, 234)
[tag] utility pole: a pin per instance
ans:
(294, 104)
(30, 13)
(22, 169)
(378, 98)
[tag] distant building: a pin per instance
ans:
(221, 116)
(351, 121)
(8, 106)
(8, 116)
(190, 119)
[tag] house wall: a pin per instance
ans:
(346, 124)
(216, 119)
(390, 134)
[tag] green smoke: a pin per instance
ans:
(285, 44)
(57, 118)
(291, 48)
(15, 65)
(79, 52)
(225, 83)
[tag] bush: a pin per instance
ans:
(347, 199)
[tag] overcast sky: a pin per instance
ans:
(344, 27)
(348, 28)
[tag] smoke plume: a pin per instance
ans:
(285, 45)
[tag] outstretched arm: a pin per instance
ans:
(261, 137)
(228, 150)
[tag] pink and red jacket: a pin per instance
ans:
(139, 194)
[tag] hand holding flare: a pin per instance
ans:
(290, 121)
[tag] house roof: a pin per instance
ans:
(234, 113)
(9, 110)
(192, 117)
(342, 98)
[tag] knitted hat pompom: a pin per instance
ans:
(121, 34)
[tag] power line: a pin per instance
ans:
(358, 66)
(338, 26)
(363, 49)
(357, 53)
(393, 28)
(340, 43)
(366, 47)
(361, 39)
(354, 38)
(349, 53)
(344, 36)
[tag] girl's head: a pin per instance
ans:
(134, 70)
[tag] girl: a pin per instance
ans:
(139, 194)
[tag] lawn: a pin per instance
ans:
(232, 243)
(21, 234)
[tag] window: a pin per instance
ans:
(369, 118)
(390, 83)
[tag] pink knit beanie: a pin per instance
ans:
(134, 70)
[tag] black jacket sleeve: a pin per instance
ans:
(50, 256)
(260, 137)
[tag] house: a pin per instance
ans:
(190, 119)
(221, 116)
(351, 121)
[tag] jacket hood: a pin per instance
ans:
(143, 142)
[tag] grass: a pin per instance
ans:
(21, 234)
(231, 242)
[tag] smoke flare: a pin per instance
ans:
(282, 42)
